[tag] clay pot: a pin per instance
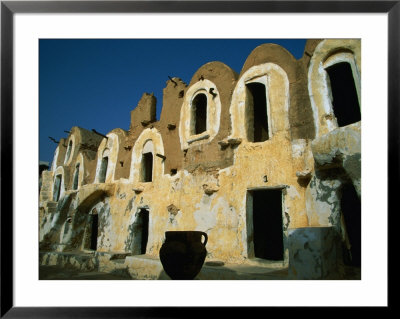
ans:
(182, 254)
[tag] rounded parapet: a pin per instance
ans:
(205, 108)
(329, 53)
(271, 53)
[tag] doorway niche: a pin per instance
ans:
(139, 232)
(265, 236)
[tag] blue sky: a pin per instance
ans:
(94, 84)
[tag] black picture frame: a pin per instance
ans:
(9, 8)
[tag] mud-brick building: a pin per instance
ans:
(266, 162)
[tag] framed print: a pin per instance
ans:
(238, 154)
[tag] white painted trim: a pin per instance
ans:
(213, 115)
(266, 74)
(59, 171)
(153, 135)
(256, 188)
(109, 147)
(148, 147)
(81, 171)
(70, 147)
(55, 158)
(326, 54)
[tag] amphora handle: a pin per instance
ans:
(205, 238)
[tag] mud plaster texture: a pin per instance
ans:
(204, 182)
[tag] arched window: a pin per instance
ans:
(57, 188)
(103, 169)
(343, 94)
(334, 84)
(76, 177)
(260, 104)
(147, 162)
(257, 112)
(199, 114)
(68, 152)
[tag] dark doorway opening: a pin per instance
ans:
(57, 188)
(103, 170)
(144, 216)
(94, 231)
(344, 94)
(351, 210)
(267, 224)
(147, 167)
(76, 177)
(199, 105)
(141, 231)
(258, 130)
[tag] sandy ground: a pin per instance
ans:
(58, 273)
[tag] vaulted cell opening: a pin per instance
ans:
(199, 114)
(68, 152)
(57, 188)
(265, 225)
(257, 112)
(351, 224)
(94, 227)
(91, 231)
(140, 232)
(76, 177)
(103, 169)
(147, 167)
(345, 102)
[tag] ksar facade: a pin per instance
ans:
(266, 162)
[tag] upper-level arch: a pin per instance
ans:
(59, 154)
(266, 87)
(58, 183)
(200, 114)
(148, 142)
(335, 59)
(70, 150)
(55, 159)
(78, 172)
(107, 155)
